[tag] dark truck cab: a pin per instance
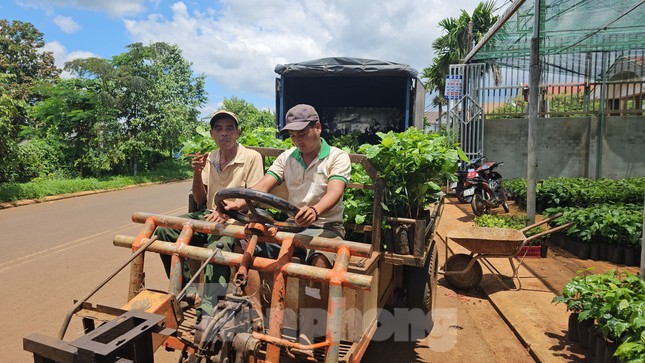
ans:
(353, 95)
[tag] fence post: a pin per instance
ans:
(534, 90)
(643, 243)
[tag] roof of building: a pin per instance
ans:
(566, 26)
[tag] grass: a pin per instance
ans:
(169, 171)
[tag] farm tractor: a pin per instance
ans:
(368, 276)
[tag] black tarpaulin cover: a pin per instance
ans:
(345, 66)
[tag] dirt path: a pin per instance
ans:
(467, 326)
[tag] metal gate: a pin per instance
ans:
(465, 122)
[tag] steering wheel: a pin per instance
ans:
(258, 215)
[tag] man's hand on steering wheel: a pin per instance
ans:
(245, 199)
(216, 217)
(306, 216)
(237, 205)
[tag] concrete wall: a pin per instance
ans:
(569, 147)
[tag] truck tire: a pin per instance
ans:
(421, 283)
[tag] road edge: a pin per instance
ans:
(50, 198)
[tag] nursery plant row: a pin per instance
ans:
(607, 315)
(602, 211)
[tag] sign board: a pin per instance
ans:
(454, 86)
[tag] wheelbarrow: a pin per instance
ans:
(463, 271)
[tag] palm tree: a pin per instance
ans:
(459, 36)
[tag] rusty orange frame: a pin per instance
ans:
(336, 277)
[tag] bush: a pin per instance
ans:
(40, 158)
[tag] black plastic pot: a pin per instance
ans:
(584, 251)
(592, 340)
(583, 332)
(609, 353)
(575, 246)
(572, 331)
(599, 352)
(632, 256)
(598, 251)
(616, 254)
(557, 239)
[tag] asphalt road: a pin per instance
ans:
(58, 251)
(55, 252)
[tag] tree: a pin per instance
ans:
(156, 97)
(87, 131)
(165, 109)
(23, 63)
(459, 36)
(250, 117)
(11, 109)
(21, 55)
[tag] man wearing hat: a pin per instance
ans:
(315, 175)
(230, 165)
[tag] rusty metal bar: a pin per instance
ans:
(336, 278)
(336, 305)
(176, 269)
(136, 269)
(351, 280)
(75, 308)
(278, 301)
(247, 259)
(326, 244)
(238, 231)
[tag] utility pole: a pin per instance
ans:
(534, 90)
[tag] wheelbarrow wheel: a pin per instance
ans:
(465, 280)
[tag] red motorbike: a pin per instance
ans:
(464, 190)
(488, 190)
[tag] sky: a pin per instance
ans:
(236, 44)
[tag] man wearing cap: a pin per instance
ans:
(230, 165)
(315, 175)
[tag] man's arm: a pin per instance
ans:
(309, 214)
(266, 184)
(199, 189)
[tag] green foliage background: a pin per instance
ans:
(118, 116)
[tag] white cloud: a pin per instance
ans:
(239, 44)
(61, 55)
(115, 8)
(66, 24)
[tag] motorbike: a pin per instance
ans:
(488, 189)
(464, 172)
